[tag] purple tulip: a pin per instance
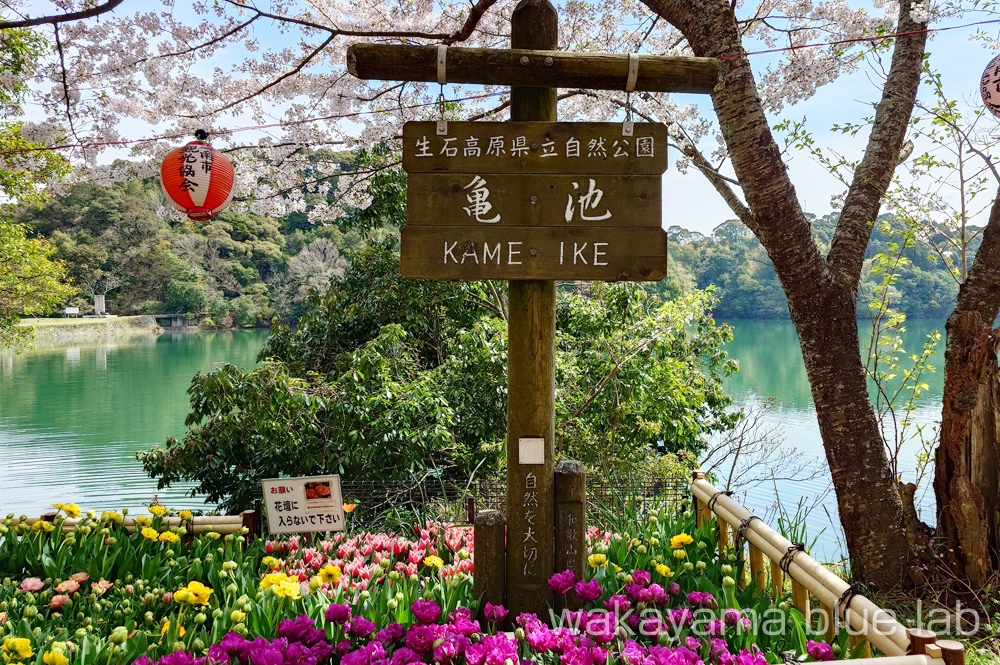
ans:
(338, 613)
(405, 656)
(360, 627)
(641, 577)
(562, 582)
(421, 638)
(588, 591)
(426, 611)
(391, 634)
(495, 613)
(819, 650)
(618, 604)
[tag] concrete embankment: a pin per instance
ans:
(58, 330)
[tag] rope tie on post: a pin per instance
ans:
(741, 532)
(715, 497)
(845, 600)
(786, 559)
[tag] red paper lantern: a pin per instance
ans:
(197, 179)
(989, 86)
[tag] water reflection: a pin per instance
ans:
(771, 366)
(72, 415)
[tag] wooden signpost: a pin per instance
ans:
(533, 201)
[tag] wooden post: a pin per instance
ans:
(952, 652)
(855, 639)
(828, 621)
(488, 582)
(757, 576)
(919, 639)
(777, 580)
(531, 375)
(702, 513)
(571, 501)
(800, 598)
(723, 534)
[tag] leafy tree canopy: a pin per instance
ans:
(393, 379)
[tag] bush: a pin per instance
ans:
(183, 296)
(149, 307)
(245, 312)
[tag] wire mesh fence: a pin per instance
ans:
(372, 503)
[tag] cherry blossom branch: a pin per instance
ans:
(286, 144)
(476, 13)
(210, 42)
(368, 173)
(292, 72)
(65, 83)
(56, 19)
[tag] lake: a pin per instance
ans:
(771, 366)
(73, 415)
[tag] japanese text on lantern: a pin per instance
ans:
(194, 158)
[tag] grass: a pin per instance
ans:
(61, 323)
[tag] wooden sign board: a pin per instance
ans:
(535, 147)
(496, 200)
(303, 505)
(604, 254)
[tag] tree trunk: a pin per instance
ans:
(883, 551)
(821, 292)
(966, 477)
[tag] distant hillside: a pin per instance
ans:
(240, 268)
(733, 260)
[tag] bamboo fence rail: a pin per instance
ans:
(222, 524)
(810, 579)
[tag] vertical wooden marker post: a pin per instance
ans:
(531, 371)
(531, 201)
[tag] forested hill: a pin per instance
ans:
(733, 260)
(240, 268)
(243, 268)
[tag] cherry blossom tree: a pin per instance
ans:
(236, 63)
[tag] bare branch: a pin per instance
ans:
(65, 83)
(62, 18)
(210, 42)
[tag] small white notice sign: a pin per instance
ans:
(303, 505)
(531, 450)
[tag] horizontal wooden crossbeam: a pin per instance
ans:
(539, 69)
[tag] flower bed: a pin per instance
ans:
(657, 595)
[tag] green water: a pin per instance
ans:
(73, 415)
(771, 366)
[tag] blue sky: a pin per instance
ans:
(689, 201)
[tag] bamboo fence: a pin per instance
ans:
(810, 580)
(199, 524)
